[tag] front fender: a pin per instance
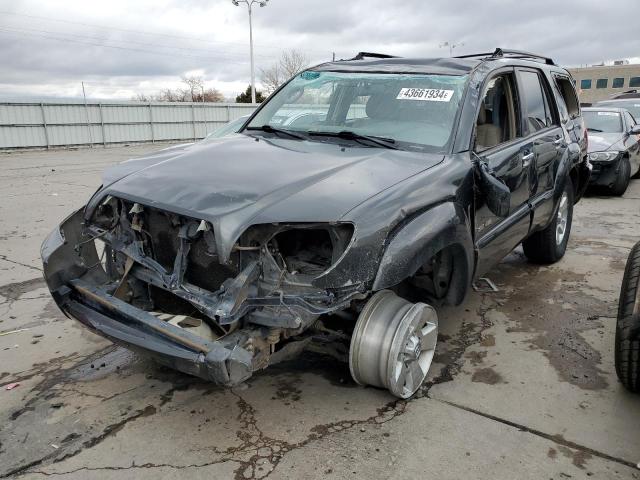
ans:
(420, 239)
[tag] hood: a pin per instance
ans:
(240, 180)
(600, 142)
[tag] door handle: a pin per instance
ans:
(526, 159)
(558, 142)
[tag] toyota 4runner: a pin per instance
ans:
(355, 189)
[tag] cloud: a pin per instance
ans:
(119, 48)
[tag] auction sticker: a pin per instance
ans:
(425, 94)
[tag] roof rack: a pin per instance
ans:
(363, 55)
(503, 52)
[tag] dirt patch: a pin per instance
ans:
(558, 322)
(578, 457)
(476, 358)
(487, 375)
(13, 291)
(488, 341)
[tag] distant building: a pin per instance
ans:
(600, 82)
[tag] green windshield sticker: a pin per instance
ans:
(309, 75)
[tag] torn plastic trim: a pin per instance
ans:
(224, 361)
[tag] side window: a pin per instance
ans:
(565, 86)
(498, 118)
(536, 103)
(585, 84)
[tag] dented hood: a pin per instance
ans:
(241, 180)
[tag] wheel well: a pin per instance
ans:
(443, 277)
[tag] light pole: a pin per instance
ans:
(249, 4)
(451, 46)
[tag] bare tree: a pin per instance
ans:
(142, 97)
(193, 93)
(291, 63)
(210, 95)
(194, 85)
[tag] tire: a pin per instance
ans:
(627, 349)
(622, 180)
(549, 245)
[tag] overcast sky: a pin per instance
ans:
(123, 47)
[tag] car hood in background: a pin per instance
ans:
(241, 180)
(599, 142)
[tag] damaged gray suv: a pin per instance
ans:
(397, 183)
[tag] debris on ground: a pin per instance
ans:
(10, 332)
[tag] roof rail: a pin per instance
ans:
(363, 55)
(503, 52)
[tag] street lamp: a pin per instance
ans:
(249, 4)
(451, 46)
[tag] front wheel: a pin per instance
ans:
(393, 343)
(622, 180)
(549, 245)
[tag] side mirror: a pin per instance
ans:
(635, 130)
(496, 193)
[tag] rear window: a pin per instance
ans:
(603, 121)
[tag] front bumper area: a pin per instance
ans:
(225, 363)
(604, 174)
(253, 329)
(71, 276)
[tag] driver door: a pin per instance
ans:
(499, 142)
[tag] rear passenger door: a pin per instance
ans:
(545, 139)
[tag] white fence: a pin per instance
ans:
(56, 124)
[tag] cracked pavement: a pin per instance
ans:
(523, 383)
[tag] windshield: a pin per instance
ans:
(415, 112)
(632, 105)
(603, 121)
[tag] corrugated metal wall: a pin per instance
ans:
(51, 124)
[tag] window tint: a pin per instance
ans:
(585, 84)
(618, 82)
(568, 95)
(634, 82)
(602, 83)
(535, 102)
(499, 113)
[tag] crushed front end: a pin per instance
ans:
(154, 281)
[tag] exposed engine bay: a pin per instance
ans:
(258, 303)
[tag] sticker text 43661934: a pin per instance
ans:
(425, 94)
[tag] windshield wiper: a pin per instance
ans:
(269, 129)
(593, 129)
(349, 135)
